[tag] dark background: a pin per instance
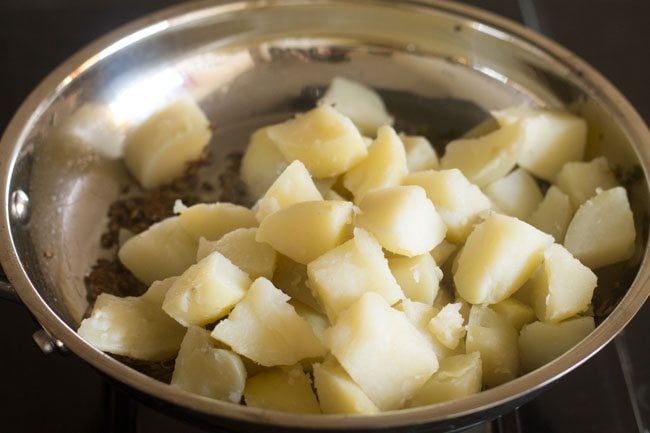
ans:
(51, 393)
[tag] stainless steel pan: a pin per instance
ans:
(248, 63)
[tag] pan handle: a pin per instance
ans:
(6, 291)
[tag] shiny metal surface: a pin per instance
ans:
(251, 63)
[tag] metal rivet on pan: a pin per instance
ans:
(19, 206)
(47, 343)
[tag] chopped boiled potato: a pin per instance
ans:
(459, 203)
(360, 103)
(203, 369)
(285, 390)
(384, 166)
(581, 180)
(342, 275)
(443, 251)
(602, 230)
(499, 256)
(540, 343)
(372, 340)
(291, 278)
(318, 321)
(496, 340)
(447, 325)
(516, 194)
(325, 184)
(550, 139)
(443, 298)
(206, 291)
(338, 393)
(134, 326)
(262, 163)
(457, 377)
(515, 312)
(488, 158)
(163, 250)
(292, 186)
(562, 286)
(267, 330)
(323, 139)
(420, 154)
(553, 214)
(213, 220)
(403, 220)
(160, 149)
(307, 230)
(239, 246)
(418, 276)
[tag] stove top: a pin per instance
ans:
(52, 393)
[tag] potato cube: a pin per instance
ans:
(496, 340)
(360, 103)
(206, 291)
(516, 194)
(515, 312)
(161, 147)
(262, 163)
(499, 256)
(447, 325)
(488, 158)
(291, 278)
(163, 250)
(340, 276)
(602, 230)
(267, 330)
(418, 276)
(550, 140)
(553, 214)
(443, 251)
(372, 340)
(581, 180)
(420, 154)
(403, 220)
(318, 321)
(134, 326)
(307, 230)
(292, 186)
(338, 393)
(323, 139)
(540, 343)
(213, 220)
(203, 369)
(457, 201)
(384, 166)
(458, 376)
(285, 390)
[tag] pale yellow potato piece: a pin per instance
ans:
(163, 250)
(323, 139)
(201, 368)
(516, 194)
(447, 325)
(488, 158)
(496, 340)
(420, 154)
(443, 251)
(342, 275)
(291, 278)
(134, 326)
(307, 230)
(551, 138)
(418, 276)
(358, 102)
(443, 298)
(581, 180)
(318, 321)
(562, 286)
(262, 163)
(384, 166)
(206, 291)
(540, 343)
(515, 312)
(459, 203)
(371, 340)
(602, 230)
(553, 214)
(292, 186)
(239, 246)
(403, 220)
(213, 220)
(267, 330)
(338, 393)
(161, 147)
(499, 256)
(285, 390)
(458, 376)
